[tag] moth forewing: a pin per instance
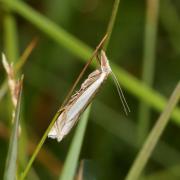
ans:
(79, 101)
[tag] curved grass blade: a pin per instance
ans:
(10, 169)
(153, 137)
(71, 162)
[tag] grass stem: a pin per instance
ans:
(153, 137)
(148, 65)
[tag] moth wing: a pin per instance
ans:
(71, 113)
(67, 127)
(53, 132)
(56, 129)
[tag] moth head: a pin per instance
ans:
(105, 67)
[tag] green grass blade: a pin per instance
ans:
(10, 37)
(111, 22)
(12, 52)
(71, 162)
(10, 169)
(24, 173)
(148, 65)
(153, 137)
(63, 38)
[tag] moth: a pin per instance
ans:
(78, 102)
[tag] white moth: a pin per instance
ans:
(77, 104)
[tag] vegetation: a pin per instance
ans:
(49, 42)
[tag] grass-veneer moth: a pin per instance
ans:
(78, 102)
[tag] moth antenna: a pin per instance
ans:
(121, 94)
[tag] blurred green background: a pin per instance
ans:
(112, 139)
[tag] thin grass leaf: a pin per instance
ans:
(111, 22)
(153, 137)
(10, 169)
(11, 45)
(71, 162)
(25, 55)
(10, 37)
(63, 38)
(148, 65)
(36, 151)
